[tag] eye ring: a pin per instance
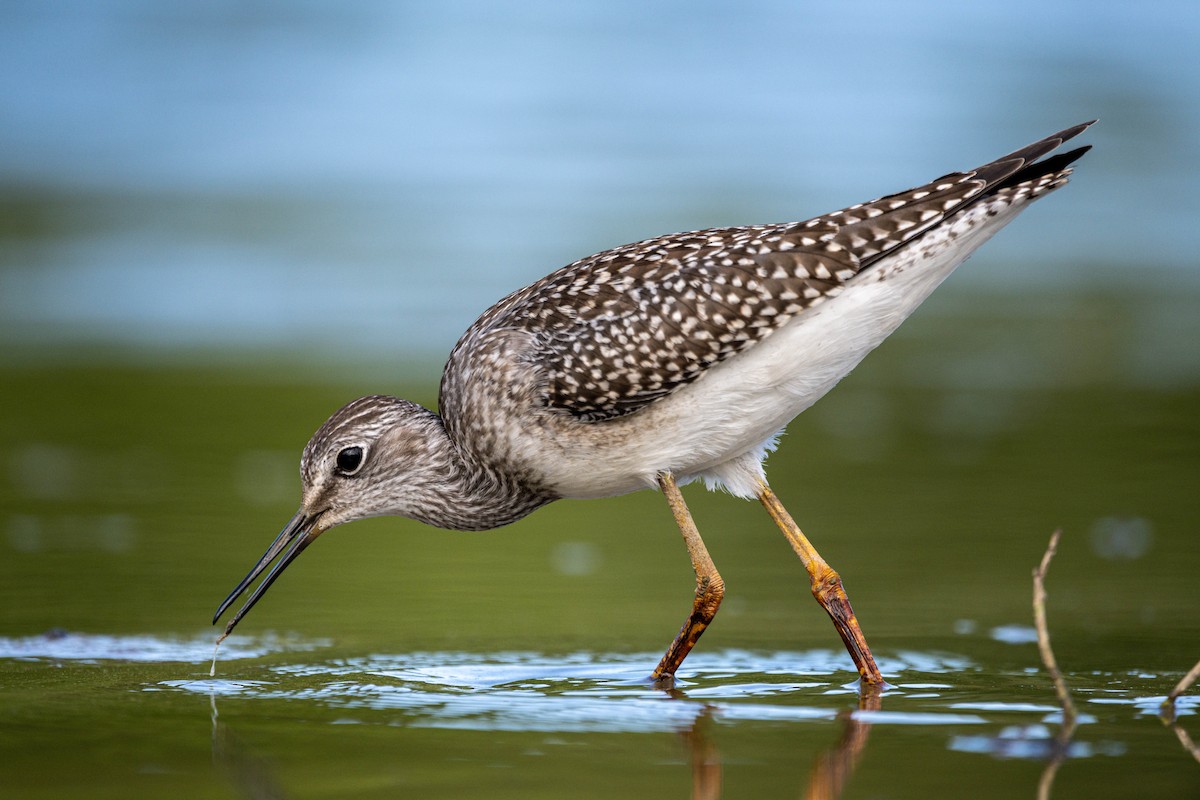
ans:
(350, 459)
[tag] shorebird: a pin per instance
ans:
(653, 365)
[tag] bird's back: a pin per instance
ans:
(693, 349)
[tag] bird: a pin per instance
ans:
(652, 365)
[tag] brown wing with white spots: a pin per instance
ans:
(624, 327)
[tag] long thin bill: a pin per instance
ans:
(291, 541)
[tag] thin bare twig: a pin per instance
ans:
(1069, 715)
(1167, 712)
(1043, 634)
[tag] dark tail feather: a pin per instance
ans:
(1037, 169)
(1006, 167)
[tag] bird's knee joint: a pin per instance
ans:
(826, 584)
(710, 590)
(711, 586)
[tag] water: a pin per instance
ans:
(394, 658)
(528, 724)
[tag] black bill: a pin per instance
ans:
(291, 541)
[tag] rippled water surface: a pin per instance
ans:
(581, 724)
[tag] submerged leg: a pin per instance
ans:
(826, 587)
(709, 586)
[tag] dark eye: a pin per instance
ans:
(349, 460)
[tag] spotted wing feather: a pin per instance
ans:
(617, 330)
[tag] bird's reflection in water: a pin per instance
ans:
(250, 776)
(704, 757)
(832, 768)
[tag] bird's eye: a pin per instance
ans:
(349, 459)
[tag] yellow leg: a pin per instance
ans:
(709, 586)
(826, 587)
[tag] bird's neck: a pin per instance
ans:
(472, 494)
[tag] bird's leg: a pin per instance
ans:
(709, 586)
(826, 587)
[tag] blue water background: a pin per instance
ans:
(361, 179)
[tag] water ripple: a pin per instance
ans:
(588, 692)
(596, 692)
(94, 647)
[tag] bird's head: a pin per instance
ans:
(373, 457)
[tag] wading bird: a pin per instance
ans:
(657, 364)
